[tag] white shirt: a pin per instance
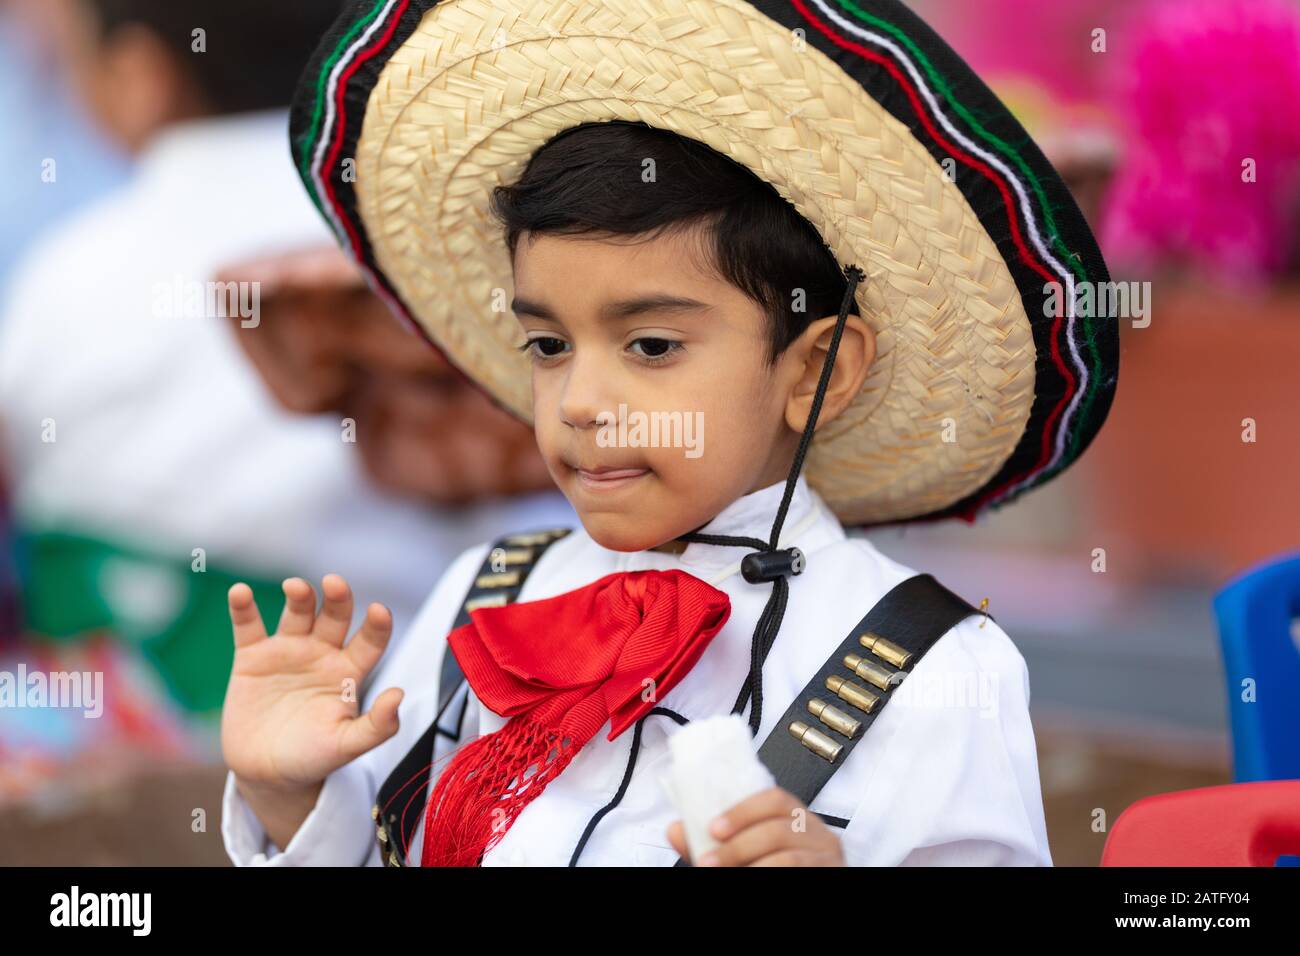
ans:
(934, 780)
(165, 437)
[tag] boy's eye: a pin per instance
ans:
(652, 348)
(544, 346)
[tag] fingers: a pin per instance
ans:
(754, 843)
(766, 803)
(336, 610)
(367, 645)
(299, 608)
(364, 733)
(772, 828)
(244, 616)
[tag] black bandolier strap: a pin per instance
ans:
(402, 797)
(828, 718)
(831, 714)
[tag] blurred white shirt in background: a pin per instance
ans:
(163, 434)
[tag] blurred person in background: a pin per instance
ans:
(150, 466)
(41, 121)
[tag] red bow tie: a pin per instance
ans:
(560, 668)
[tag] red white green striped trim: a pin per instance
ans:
(1060, 272)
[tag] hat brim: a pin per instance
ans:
(855, 112)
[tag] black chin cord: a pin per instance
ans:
(769, 564)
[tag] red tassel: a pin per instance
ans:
(486, 786)
(559, 669)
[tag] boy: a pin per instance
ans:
(669, 198)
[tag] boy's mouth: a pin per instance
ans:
(605, 478)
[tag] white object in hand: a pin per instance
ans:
(715, 767)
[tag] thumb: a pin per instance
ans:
(364, 733)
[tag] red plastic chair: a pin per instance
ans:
(1240, 824)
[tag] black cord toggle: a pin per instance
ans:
(770, 565)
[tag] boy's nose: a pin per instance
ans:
(584, 402)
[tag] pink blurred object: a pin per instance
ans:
(1206, 85)
(1042, 60)
(1011, 42)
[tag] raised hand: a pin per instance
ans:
(291, 715)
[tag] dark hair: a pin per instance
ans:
(588, 179)
(255, 50)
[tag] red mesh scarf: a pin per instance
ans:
(560, 668)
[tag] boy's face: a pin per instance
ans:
(621, 330)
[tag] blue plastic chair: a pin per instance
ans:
(1256, 611)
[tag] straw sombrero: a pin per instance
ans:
(855, 111)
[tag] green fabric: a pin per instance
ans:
(176, 616)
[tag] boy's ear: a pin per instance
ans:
(853, 358)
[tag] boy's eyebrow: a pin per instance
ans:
(622, 309)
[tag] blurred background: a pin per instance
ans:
(153, 450)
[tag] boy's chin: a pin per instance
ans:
(625, 532)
